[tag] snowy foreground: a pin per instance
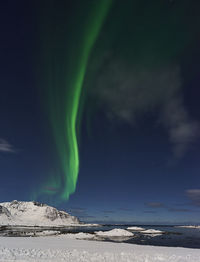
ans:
(65, 248)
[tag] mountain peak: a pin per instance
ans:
(33, 213)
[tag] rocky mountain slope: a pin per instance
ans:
(34, 214)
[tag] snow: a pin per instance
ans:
(63, 248)
(152, 231)
(117, 232)
(43, 233)
(136, 228)
(197, 227)
(34, 214)
(156, 235)
(52, 247)
(80, 235)
(89, 225)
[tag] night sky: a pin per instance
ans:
(99, 108)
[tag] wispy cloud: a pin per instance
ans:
(6, 147)
(182, 130)
(155, 204)
(86, 216)
(179, 210)
(150, 211)
(194, 196)
(80, 212)
(172, 208)
(108, 211)
(127, 92)
(77, 209)
(125, 209)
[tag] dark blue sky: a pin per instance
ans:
(140, 160)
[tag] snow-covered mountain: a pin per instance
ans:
(34, 214)
(4, 215)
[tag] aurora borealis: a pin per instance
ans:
(100, 109)
(65, 88)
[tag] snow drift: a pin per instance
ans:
(116, 232)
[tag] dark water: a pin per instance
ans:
(173, 236)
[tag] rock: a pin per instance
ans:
(34, 214)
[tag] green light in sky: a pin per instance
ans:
(65, 89)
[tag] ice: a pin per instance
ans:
(152, 231)
(136, 228)
(117, 232)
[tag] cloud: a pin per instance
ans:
(126, 209)
(86, 216)
(150, 211)
(79, 212)
(77, 209)
(179, 210)
(127, 92)
(158, 205)
(155, 204)
(108, 211)
(182, 130)
(194, 196)
(6, 147)
(51, 189)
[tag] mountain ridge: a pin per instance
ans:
(33, 213)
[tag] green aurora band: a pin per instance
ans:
(64, 91)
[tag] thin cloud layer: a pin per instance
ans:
(108, 211)
(182, 130)
(6, 147)
(155, 204)
(125, 93)
(194, 196)
(179, 210)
